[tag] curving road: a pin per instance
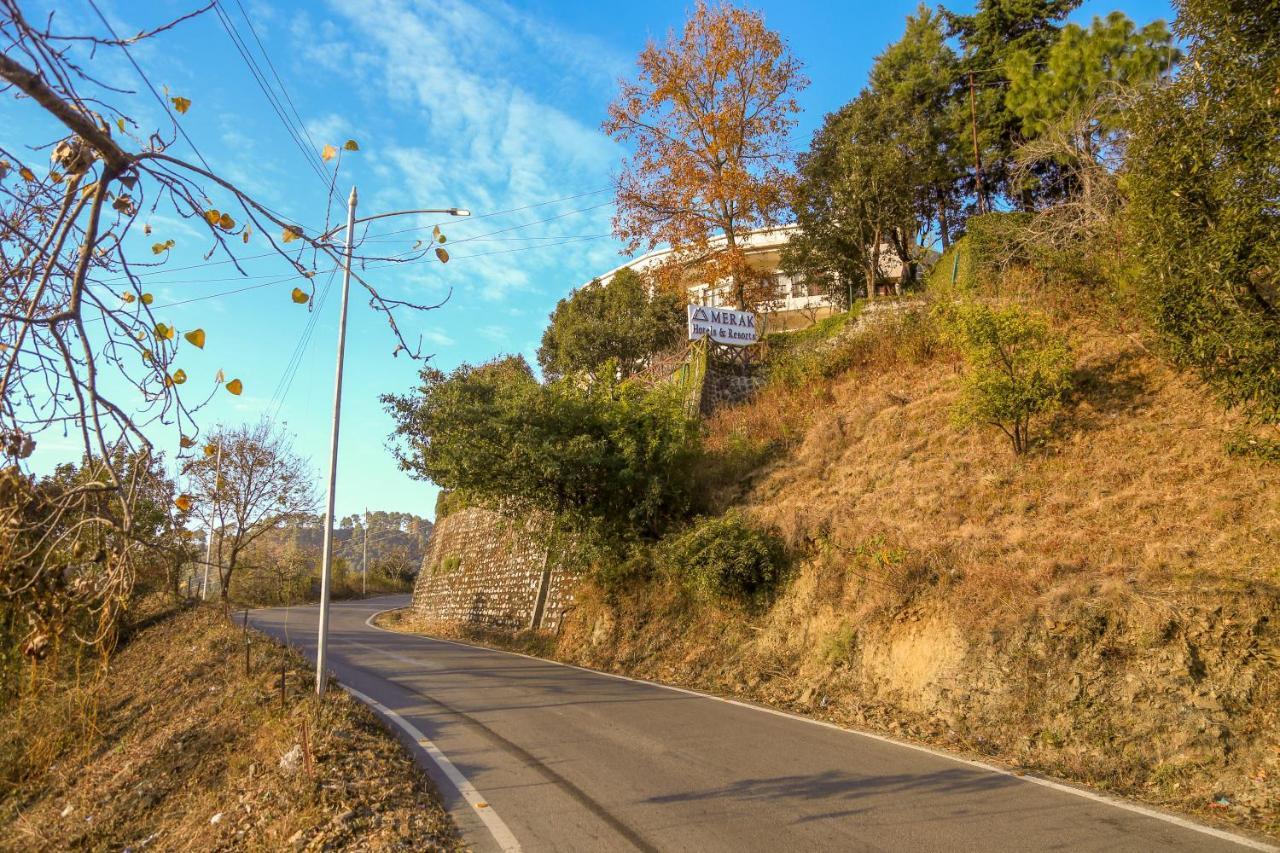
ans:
(539, 756)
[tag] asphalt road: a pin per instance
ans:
(539, 756)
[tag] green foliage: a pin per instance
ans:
(1255, 446)
(795, 358)
(1018, 368)
(1083, 65)
(880, 172)
(607, 452)
(618, 322)
(997, 31)
(725, 556)
(1202, 184)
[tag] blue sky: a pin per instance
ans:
(485, 105)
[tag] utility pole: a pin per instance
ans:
(326, 564)
(364, 559)
(208, 545)
(977, 155)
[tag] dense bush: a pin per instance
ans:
(618, 322)
(606, 452)
(726, 556)
(1202, 185)
(1018, 368)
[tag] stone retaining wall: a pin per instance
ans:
(485, 569)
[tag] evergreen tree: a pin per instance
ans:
(997, 31)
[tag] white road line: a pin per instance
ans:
(497, 828)
(1242, 840)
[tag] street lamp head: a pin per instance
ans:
(457, 211)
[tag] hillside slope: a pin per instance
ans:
(1104, 608)
(188, 752)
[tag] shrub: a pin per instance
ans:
(725, 556)
(606, 452)
(1202, 185)
(1018, 368)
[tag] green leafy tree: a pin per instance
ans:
(916, 78)
(1203, 185)
(617, 322)
(1018, 369)
(608, 452)
(850, 200)
(884, 169)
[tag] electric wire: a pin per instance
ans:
(136, 67)
(299, 351)
(283, 89)
(264, 85)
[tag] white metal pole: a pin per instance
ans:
(364, 560)
(208, 545)
(327, 558)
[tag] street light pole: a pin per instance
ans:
(326, 563)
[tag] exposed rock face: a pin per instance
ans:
(484, 569)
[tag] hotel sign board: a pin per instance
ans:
(722, 325)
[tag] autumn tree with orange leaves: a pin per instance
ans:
(709, 116)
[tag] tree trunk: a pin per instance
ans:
(942, 223)
(873, 271)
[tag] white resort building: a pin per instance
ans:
(763, 250)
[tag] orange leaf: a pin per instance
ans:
(442, 255)
(300, 295)
(179, 376)
(187, 442)
(226, 223)
(183, 503)
(328, 153)
(181, 104)
(196, 337)
(235, 386)
(211, 216)
(291, 233)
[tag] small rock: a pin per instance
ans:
(345, 816)
(66, 812)
(291, 760)
(216, 819)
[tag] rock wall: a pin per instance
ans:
(728, 384)
(485, 569)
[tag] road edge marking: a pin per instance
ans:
(501, 833)
(1176, 820)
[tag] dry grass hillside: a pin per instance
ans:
(1104, 608)
(185, 751)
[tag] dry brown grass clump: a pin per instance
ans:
(1132, 482)
(177, 748)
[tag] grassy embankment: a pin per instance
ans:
(1105, 608)
(177, 747)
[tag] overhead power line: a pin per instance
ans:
(309, 155)
(163, 104)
